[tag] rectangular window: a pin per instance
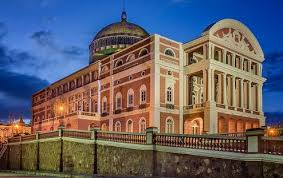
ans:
(130, 100)
(118, 103)
(104, 106)
(143, 97)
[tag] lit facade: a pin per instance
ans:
(212, 84)
(14, 128)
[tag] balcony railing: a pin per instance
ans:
(77, 134)
(138, 138)
(230, 144)
(194, 106)
(272, 145)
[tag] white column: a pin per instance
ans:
(241, 93)
(242, 63)
(204, 51)
(212, 51)
(233, 92)
(259, 95)
(219, 96)
(212, 85)
(250, 95)
(224, 56)
(233, 59)
(209, 85)
(249, 66)
(186, 91)
(224, 89)
(204, 74)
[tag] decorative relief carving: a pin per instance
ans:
(236, 38)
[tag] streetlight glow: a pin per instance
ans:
(61, 108)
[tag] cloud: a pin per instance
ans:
(273, 71)
(43, 38)
(20, 86)
(73, 51)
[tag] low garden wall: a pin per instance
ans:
(118, 154)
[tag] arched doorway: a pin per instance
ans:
(194, 126)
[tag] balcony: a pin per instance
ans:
(194, 107)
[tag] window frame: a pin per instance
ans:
(172, 52)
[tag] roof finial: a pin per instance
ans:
(124, 14)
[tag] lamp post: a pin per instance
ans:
(61, 109)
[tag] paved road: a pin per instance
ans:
(9, 175)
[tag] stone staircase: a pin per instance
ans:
(3, 148)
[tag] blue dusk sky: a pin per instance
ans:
(42, 41)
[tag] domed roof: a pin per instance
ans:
(122, 28)
(115, 37)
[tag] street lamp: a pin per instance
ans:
(61, 108)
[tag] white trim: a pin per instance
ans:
(130, 92)
(166, 125)
(116, 126)
(170, 49)
(143, 49)
(117, 61)
(118, 95)
(140, 126)
(143, 89)
(127, 126)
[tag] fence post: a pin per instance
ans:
(94, 137)
(37, 137)
(150, 131)
(21, 153)
(254, 141)
(61, 130)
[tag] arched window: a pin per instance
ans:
(143, 94)
(130, 58)
(169, 125)
(169, 52)
(129, 126)
(104, 69)
(169, 97)
(142, 125)
(117, 127)
(104, 104)
(143, 52)
(118, 100)
(104, 127)
(119, 63)
(68, 126)
(130, 98)
(195, 127)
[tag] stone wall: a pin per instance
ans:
(29, 156)
(49, 155)
(85, 157)
(180, 165)
(14, 154)
(116, 161)
(78, 158)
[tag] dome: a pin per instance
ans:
(115, 37)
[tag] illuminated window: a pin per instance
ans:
(142, 125)
(117, 127)
(118, 100)
(143, 94)
(129, 126)
(130, 97)
(169, 125)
